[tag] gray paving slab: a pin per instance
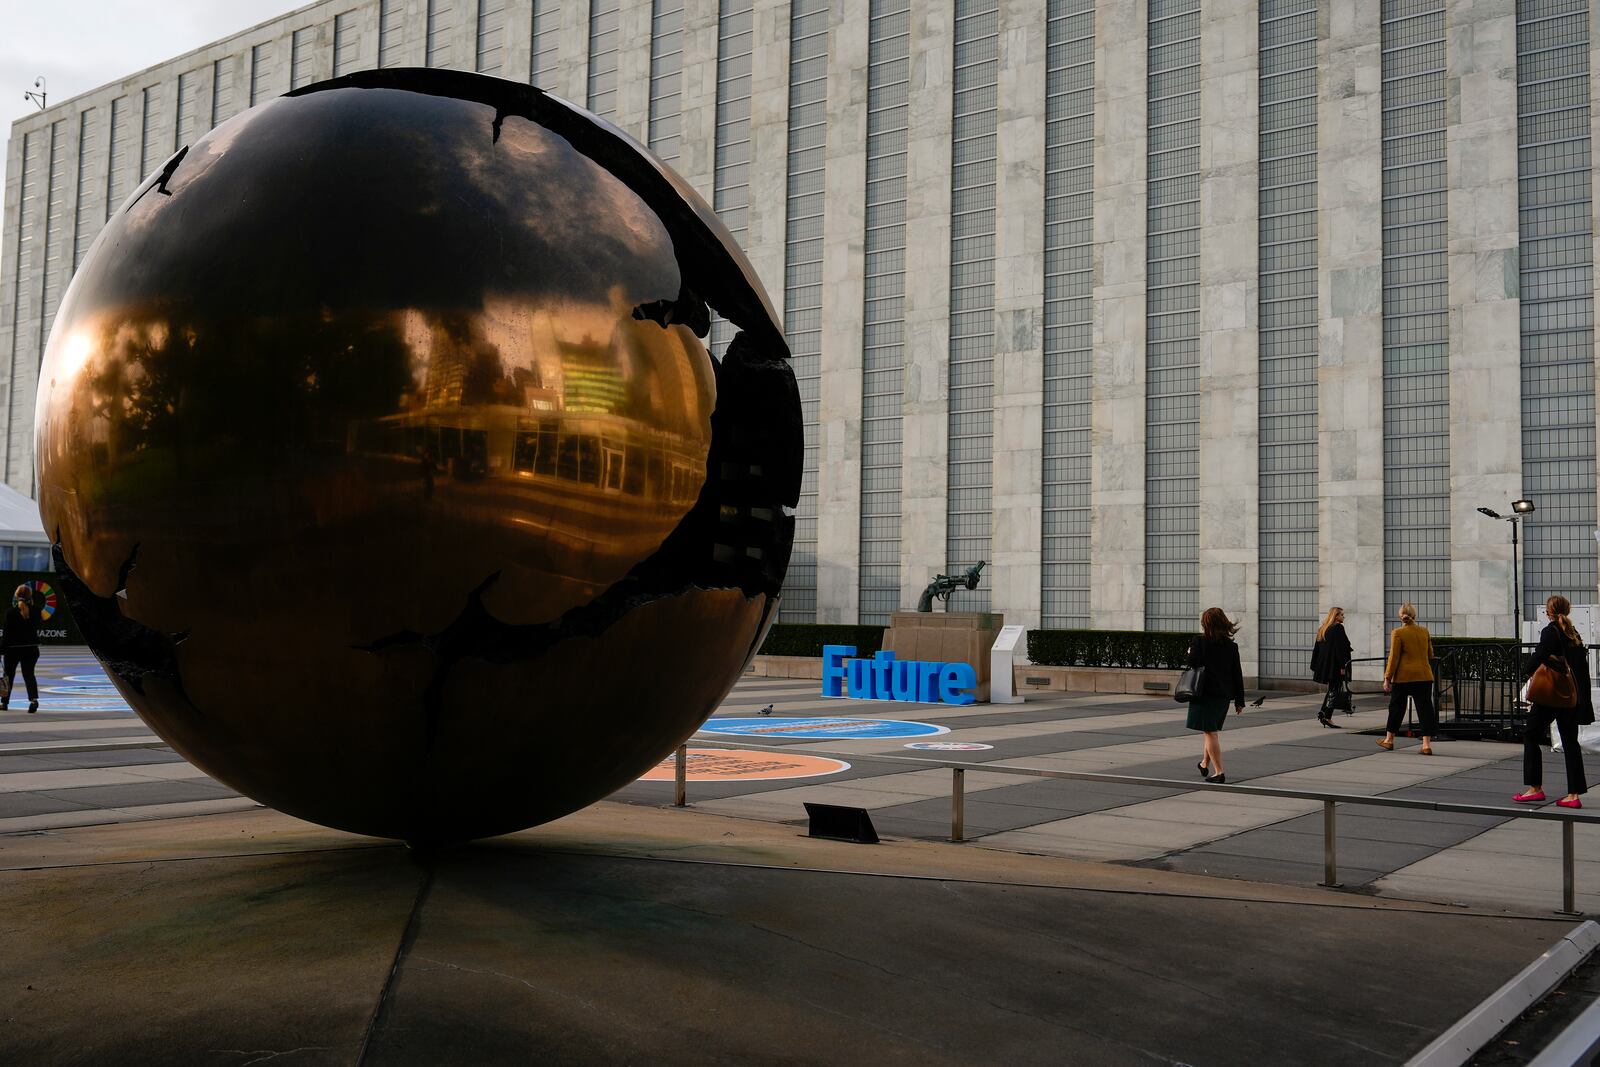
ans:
(128, 757)
(1418, 828)
(20, 805)
(156, 792)
(1260, 869)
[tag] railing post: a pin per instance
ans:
(680, 775)
(1330, 847)
(1568, 890)
(958, 804)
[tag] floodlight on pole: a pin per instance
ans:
(1522, 507)
(1519, 508)
(38, 95)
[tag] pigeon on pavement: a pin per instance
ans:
(766, 710)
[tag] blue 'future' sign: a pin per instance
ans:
(885, 678)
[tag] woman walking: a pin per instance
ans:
(1222, 682)
(1559, 640)
(1409, 676)
(19, 646)
(1330, 662)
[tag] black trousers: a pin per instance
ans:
(1422, 693)
(1566, 722)
(24, 657)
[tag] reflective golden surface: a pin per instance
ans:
(445, 522)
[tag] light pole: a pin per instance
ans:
(38, 95)
(1519, 508)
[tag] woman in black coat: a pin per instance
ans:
(19, 646)
(1557, 640)
(1330, 662)
(1223, 683)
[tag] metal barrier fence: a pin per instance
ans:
(1330, 801)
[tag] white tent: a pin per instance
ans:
(19, 519)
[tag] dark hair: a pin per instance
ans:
(1560, 608)
(1214, 624)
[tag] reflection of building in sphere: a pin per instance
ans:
(463, 473)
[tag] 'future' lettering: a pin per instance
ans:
(885, 678)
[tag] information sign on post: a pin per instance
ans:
(1000, 673)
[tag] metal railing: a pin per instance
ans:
(1329, 801)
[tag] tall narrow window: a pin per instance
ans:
(91, 165)
(222, 94)
(391, 33)
(1555, 192)
(605, 27)
(884, 311)
(346, 43)
(491, 35)
(969, 509)
(441, 25)
(1068, 312)
(57, 249)
(1416, 312)
(731, 189)
(303, 57)
(545, 44)
(120, 164)
(1288, 336)
(154, 148)
(263, 70)
(666, 78)
(25, 301)
(187, 128)
(802, 277)
(1172, 319)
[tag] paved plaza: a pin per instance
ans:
(85, 759)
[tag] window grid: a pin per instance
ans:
(89, 219)
(25, 298)
(441, 25)
(970, 476)
(55, 243)
(666, 78)
(1416, 401)
(1287, 465)
(118, 179)
(303, 57)
(731, 188)
(186, 127)
(883, 338)
(153, 148)
(802, 297)
(605, 30)
(391, 33)
(491, 36)
(1172, 322)
(346, 43)
(546, 43)
(1068, 313)
(263, 59)
(222, 108)
(1557, 291)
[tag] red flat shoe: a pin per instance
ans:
(1529, 798)
(1565, 803)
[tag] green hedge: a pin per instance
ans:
(1109, 648)
(807, 639)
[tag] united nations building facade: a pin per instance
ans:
(1152, 305)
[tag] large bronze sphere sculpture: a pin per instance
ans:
(389, 474)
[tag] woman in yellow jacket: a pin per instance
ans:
(1409, 674)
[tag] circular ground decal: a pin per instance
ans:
(821, 728)
(948, 746)
(108, 691)
(718, 765)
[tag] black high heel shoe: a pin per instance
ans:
(1217, 779)
(1329, 723)
(1202, 766)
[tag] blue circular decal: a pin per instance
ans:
(822, 728)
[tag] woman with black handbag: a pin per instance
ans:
(1221, 680)
(1330, 664)
(1558, 689)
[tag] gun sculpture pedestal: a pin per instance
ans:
(946, 637)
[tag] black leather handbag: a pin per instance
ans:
(1190, 684)
(1337, 700)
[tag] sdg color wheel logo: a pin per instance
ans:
(44, 598)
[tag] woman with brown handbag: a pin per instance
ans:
(1558, 689)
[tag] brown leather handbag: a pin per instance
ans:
(1552, 685)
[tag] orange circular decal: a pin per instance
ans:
(721, 765)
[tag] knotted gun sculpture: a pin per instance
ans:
(945, 584)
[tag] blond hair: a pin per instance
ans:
(1560, 608)
(1322, 631)
(1408, 612)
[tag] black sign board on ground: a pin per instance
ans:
(55, 621)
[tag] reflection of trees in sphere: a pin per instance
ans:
(391, 478)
